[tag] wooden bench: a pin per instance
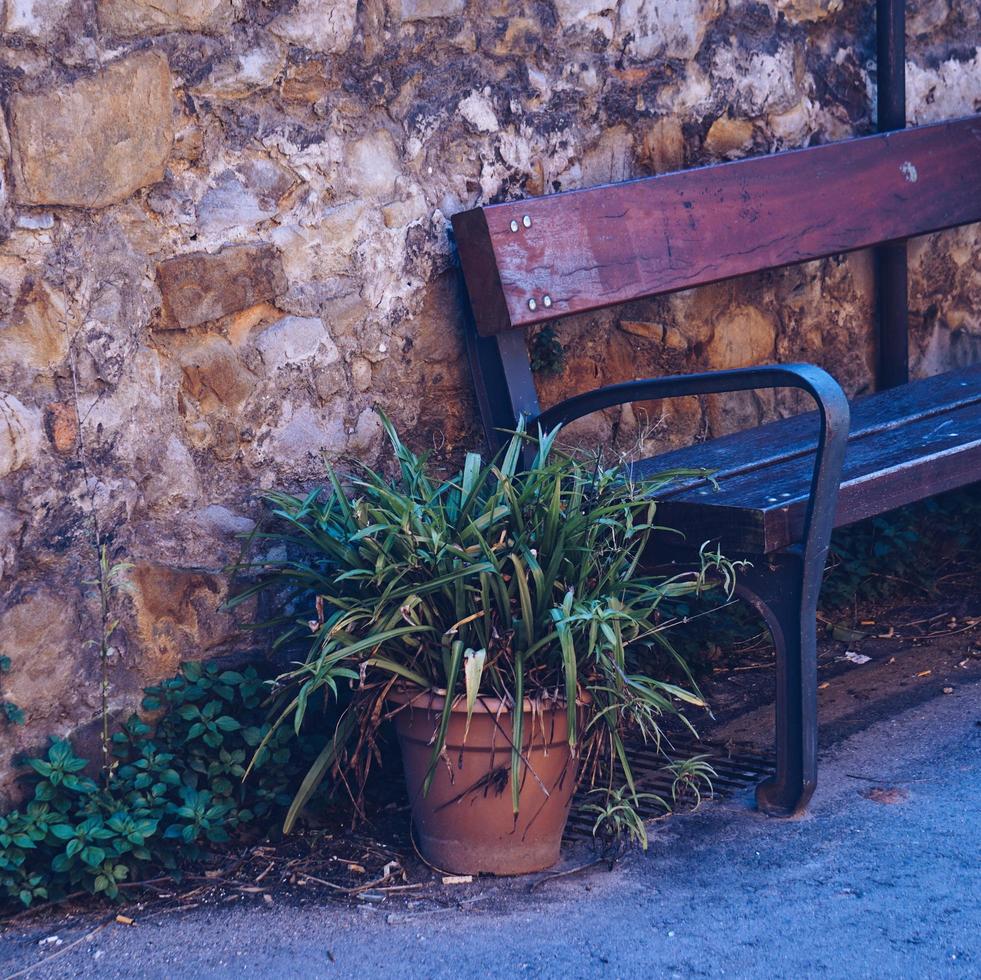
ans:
(783, 486)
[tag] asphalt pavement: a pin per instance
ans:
(881, 879)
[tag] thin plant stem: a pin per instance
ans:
(97, 536)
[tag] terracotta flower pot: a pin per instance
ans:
(465, 823)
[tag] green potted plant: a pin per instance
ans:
(501, 618)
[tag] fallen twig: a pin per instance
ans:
(269, 867)
(565, 874)
(62, 951)
(367, 886)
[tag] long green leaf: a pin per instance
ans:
(444, 721)
(317, 771)
(517, 729)
(400, 671)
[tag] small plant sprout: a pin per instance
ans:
(113, 578)
(617, 820)
(692, 778)
(10, 713)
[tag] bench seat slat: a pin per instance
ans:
(728, 456)
(911, 443)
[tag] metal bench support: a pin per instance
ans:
(776, 589)
(891, 278)
(783, 587)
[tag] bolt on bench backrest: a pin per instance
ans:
(527, 262)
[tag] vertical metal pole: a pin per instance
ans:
(892, 303)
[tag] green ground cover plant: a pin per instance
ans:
(546, 352)
(909, 551)
(10, 713)
(172, 789)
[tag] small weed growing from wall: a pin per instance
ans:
(10, 713)
(546, 353)
(112, 579)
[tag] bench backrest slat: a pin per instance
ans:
(529, 261)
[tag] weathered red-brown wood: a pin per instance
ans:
(588, 249)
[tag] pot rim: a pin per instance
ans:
(434, 698)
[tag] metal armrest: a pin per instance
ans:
(832, 441)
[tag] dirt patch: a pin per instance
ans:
(886, 794)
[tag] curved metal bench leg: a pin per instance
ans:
(776, 590)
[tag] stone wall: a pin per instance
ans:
(224, 237)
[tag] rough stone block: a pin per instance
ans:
(728, 137)
(319, 25)
(240, 74)
(743, 336)
(34, 338)
(172, 484)
(21, 434)
(34, 18)
(130, 17)
(294, 339)
(667, 336)
(372, 165)
(213, 375)
(611, 159)
(61, 423)
(304, 434)
(809, 11)
(305, 82)
(311, 254)
(230, 204)
(178, 616)
(663, 146)
(927, 16)
(198, 287)
(521, 37)
(674, 28)
(425, 9)
(40, 635)
(94, 142)
(478, 110)
(945, 92)
(585, 12)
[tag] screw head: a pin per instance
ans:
(526, 221)
(546, 301)
(532, 305)
(514, 225)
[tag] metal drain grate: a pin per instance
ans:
(737, 766)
